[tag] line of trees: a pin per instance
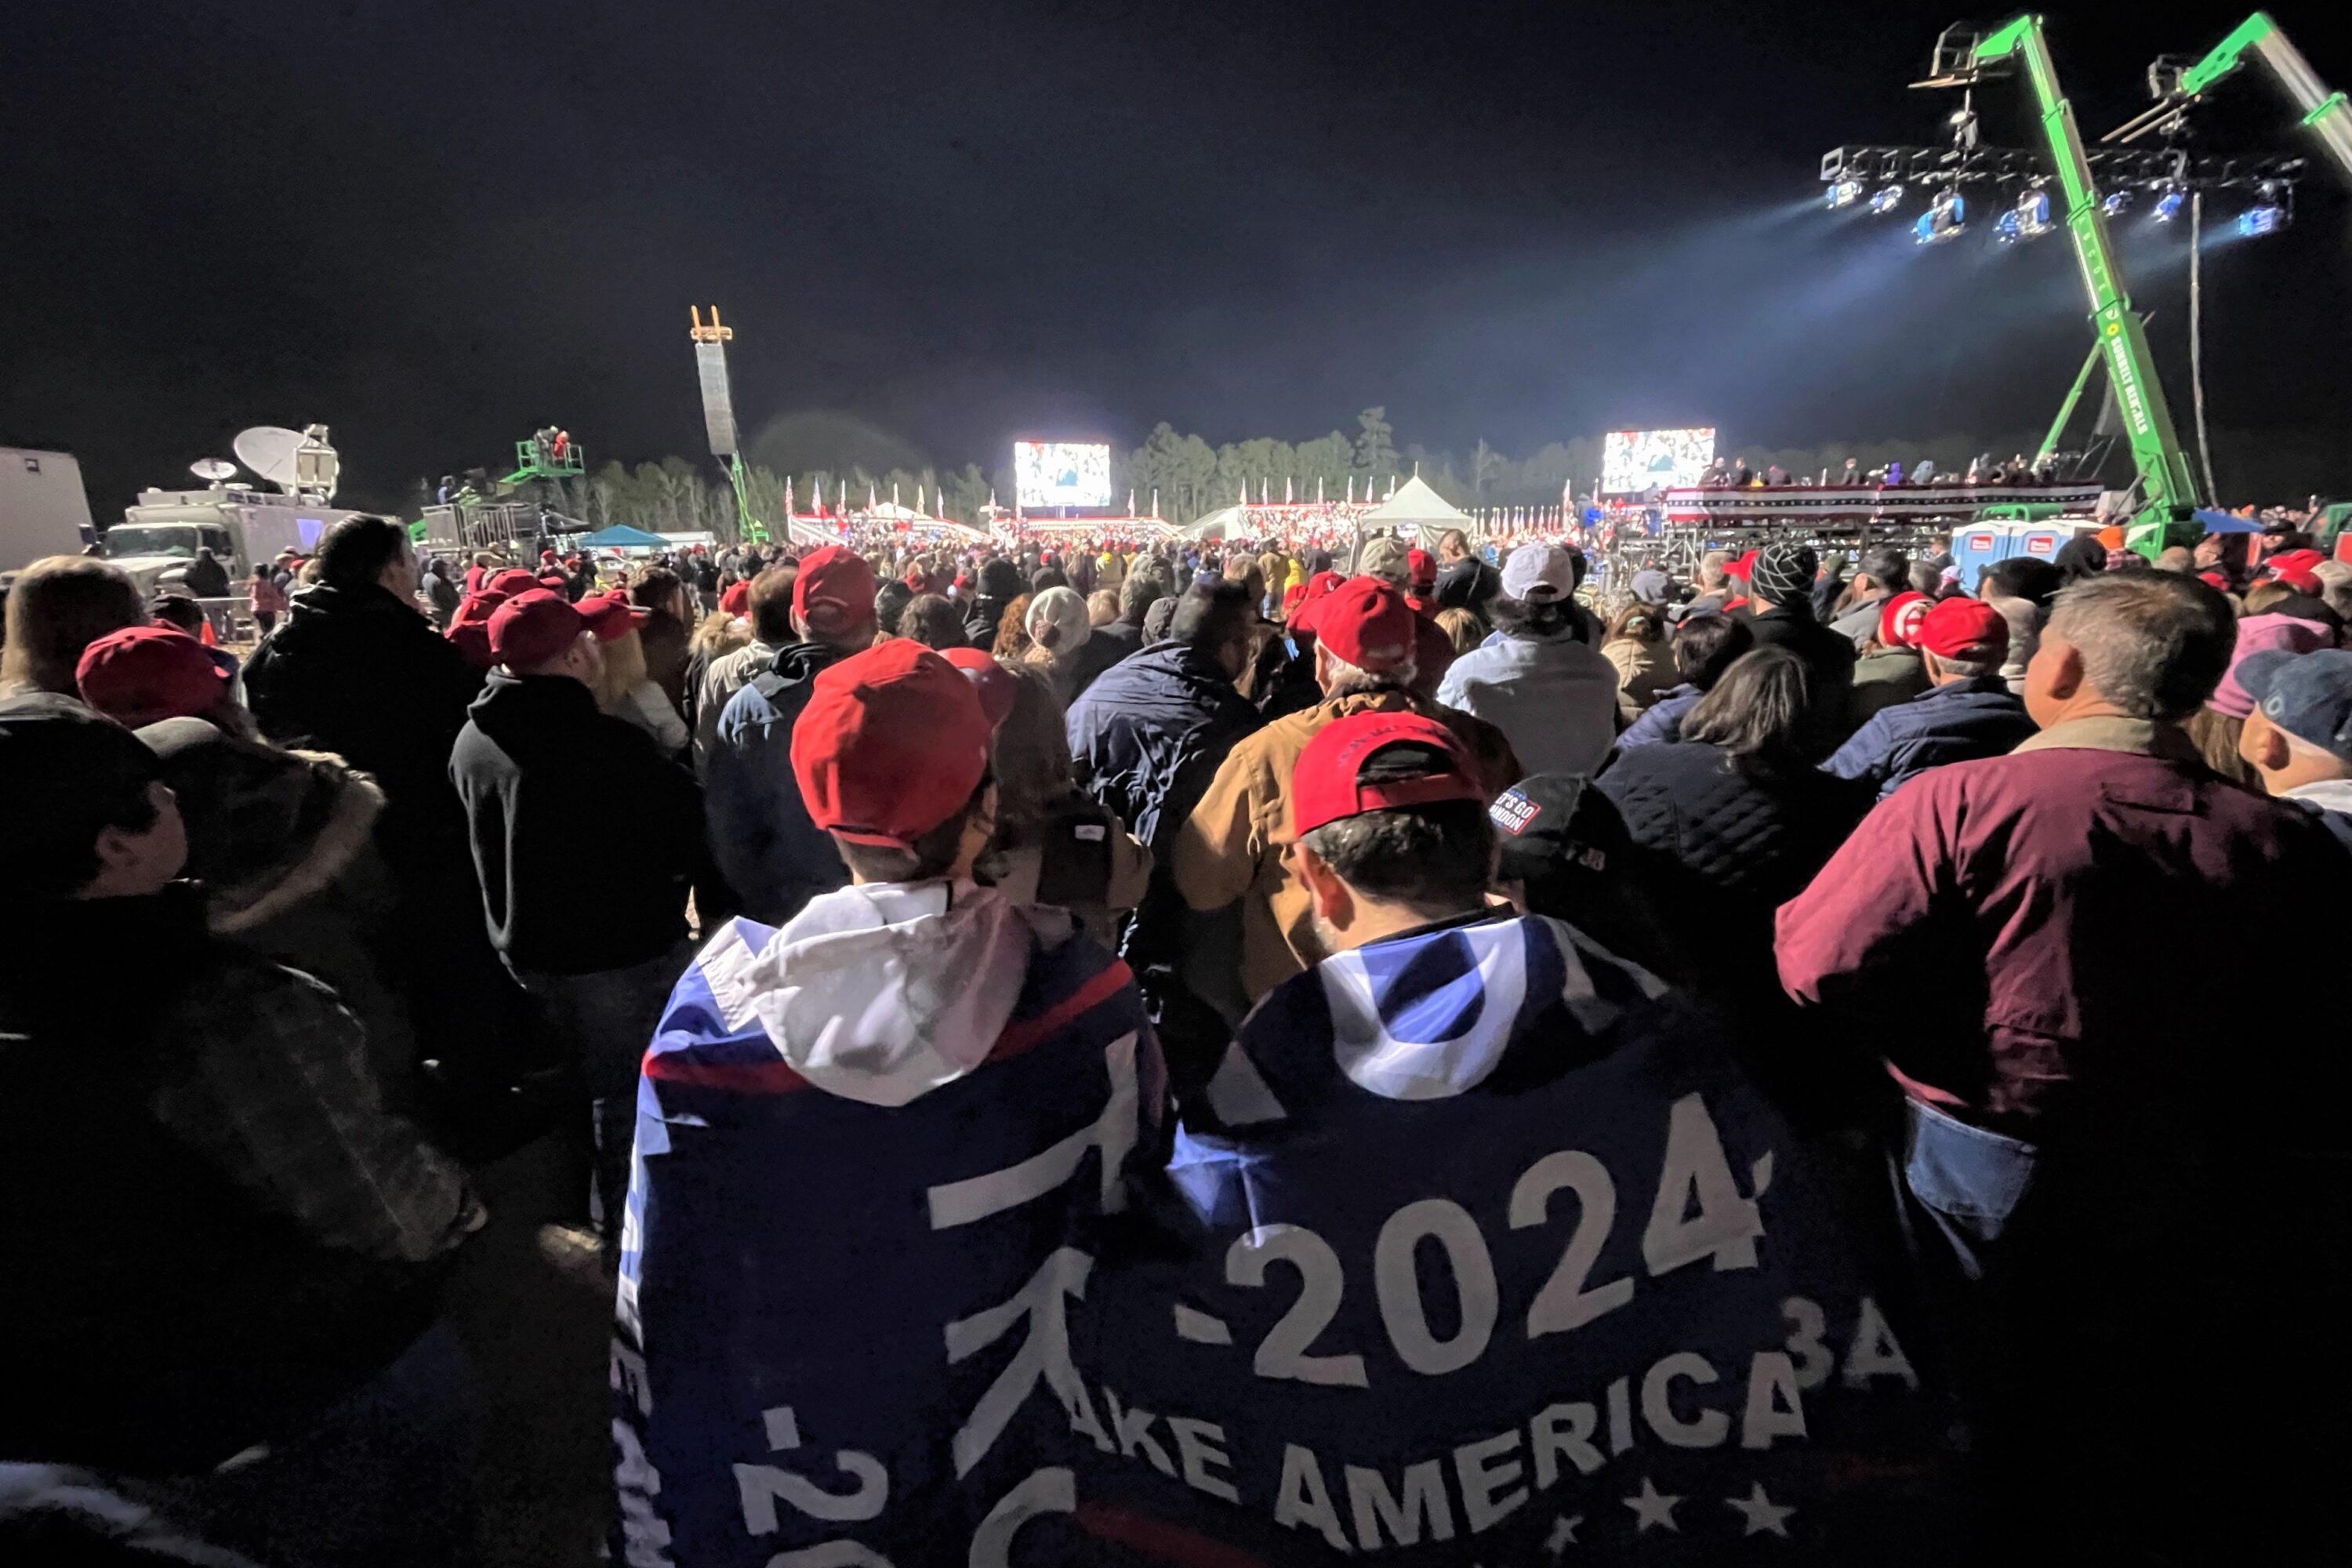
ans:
(1192, 477)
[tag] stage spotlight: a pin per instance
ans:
(1844, 193)
(2268, 215)
(2032, 214)
(1945, 217)
(2168, 205)
(2114, 204)
(1887, 199)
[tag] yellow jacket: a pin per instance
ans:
(1235, 843)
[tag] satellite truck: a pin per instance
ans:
(158, 538)
(44, 510)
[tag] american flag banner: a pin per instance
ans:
(1477, 1249)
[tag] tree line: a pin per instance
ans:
(1192, 477)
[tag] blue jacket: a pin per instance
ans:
(774, 858)
(1955, 723)
(1149, 735)
(1663, 719)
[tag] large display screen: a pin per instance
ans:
(1061, 473)
(1633, 460)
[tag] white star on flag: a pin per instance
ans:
(1653, 1510)
(1563, 1535)
(1760, 1512)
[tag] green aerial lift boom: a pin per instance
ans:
(2327, 113)
(2167, 487)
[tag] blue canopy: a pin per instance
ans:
(2215, 521)
(621, 536)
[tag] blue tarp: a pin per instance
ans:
(2213, 522)
(621, 536)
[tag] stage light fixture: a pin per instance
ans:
(1844, 193)
(2032, 214)
(2268, 215)
(1886, 198)
(1945, 217)
(2114, 204)
(2168, 205)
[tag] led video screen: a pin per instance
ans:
(1633, 460)
(1061, 473)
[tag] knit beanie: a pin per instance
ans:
(1784, 574)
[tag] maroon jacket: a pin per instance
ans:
(2086, 923)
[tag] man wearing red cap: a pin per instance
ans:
(1967, 710)
(767, 603)
(773, 856)
(144, 675)
(597, 943)
(1232, 848)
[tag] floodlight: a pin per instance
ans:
(2114, 204)
(2268, 215)
(1945, 217)
(2168, 205)
(2033, 213)
(1887, 199)
(1844, 193)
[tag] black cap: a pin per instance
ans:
(65, 773)
(1555, 824)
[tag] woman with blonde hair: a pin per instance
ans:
(1463, 628)
(57, 607)
(1059, 627)
(1636, 645)
(623, 688)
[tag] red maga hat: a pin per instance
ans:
(833, 591)
(1328, 784)
(1964, 628)
(1364, 621)
(997, 686)
(611, 616)
(893, 742)
(531, 628)
(144, 675)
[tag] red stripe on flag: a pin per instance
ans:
(1023, 1033)
(745, 1078)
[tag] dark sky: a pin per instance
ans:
(939, 224)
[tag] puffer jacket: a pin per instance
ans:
(1150, 734)
(771, 854)
(1954, 723)
(1663, 719)
(1719, 847)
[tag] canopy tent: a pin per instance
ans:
(621, 536)
(1217, 524)
(1416, 513)
(2216, 522)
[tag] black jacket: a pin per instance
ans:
(160, 1315)
(771, 854)
(1467, 585)
(1148, 735)
(535, 762)
(207, 578)
(359, 672)
(1720, 848)
(987, 612)
(1830, 654)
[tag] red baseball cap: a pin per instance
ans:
(1899, 623)
(1326, 785)
(1322, 582)
(1420, 567)
(893, 742)
(610, 615)
(1743, 566)
(997, 686)
(509, 581)
(737, 600)
(834, 592)
(1365, 621)
(531, 628)
(2287, 561)
(1293, 596)
(144, 675)
(1964, 628)
(2305, 583)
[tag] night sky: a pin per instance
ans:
(939, 226)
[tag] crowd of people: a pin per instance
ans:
(2019, 889)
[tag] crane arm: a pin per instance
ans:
(2326, 112)
(2166, 483)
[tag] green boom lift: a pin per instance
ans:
(2168, 486)
(2327, 113)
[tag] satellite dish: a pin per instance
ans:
(213, 468)
(298, 462)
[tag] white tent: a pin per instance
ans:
(1218, 524)
(1416, 506)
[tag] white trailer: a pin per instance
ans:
(44, 509)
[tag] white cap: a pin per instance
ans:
(1538, 572)
(1064, 614)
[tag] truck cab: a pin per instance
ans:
(158, 538)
